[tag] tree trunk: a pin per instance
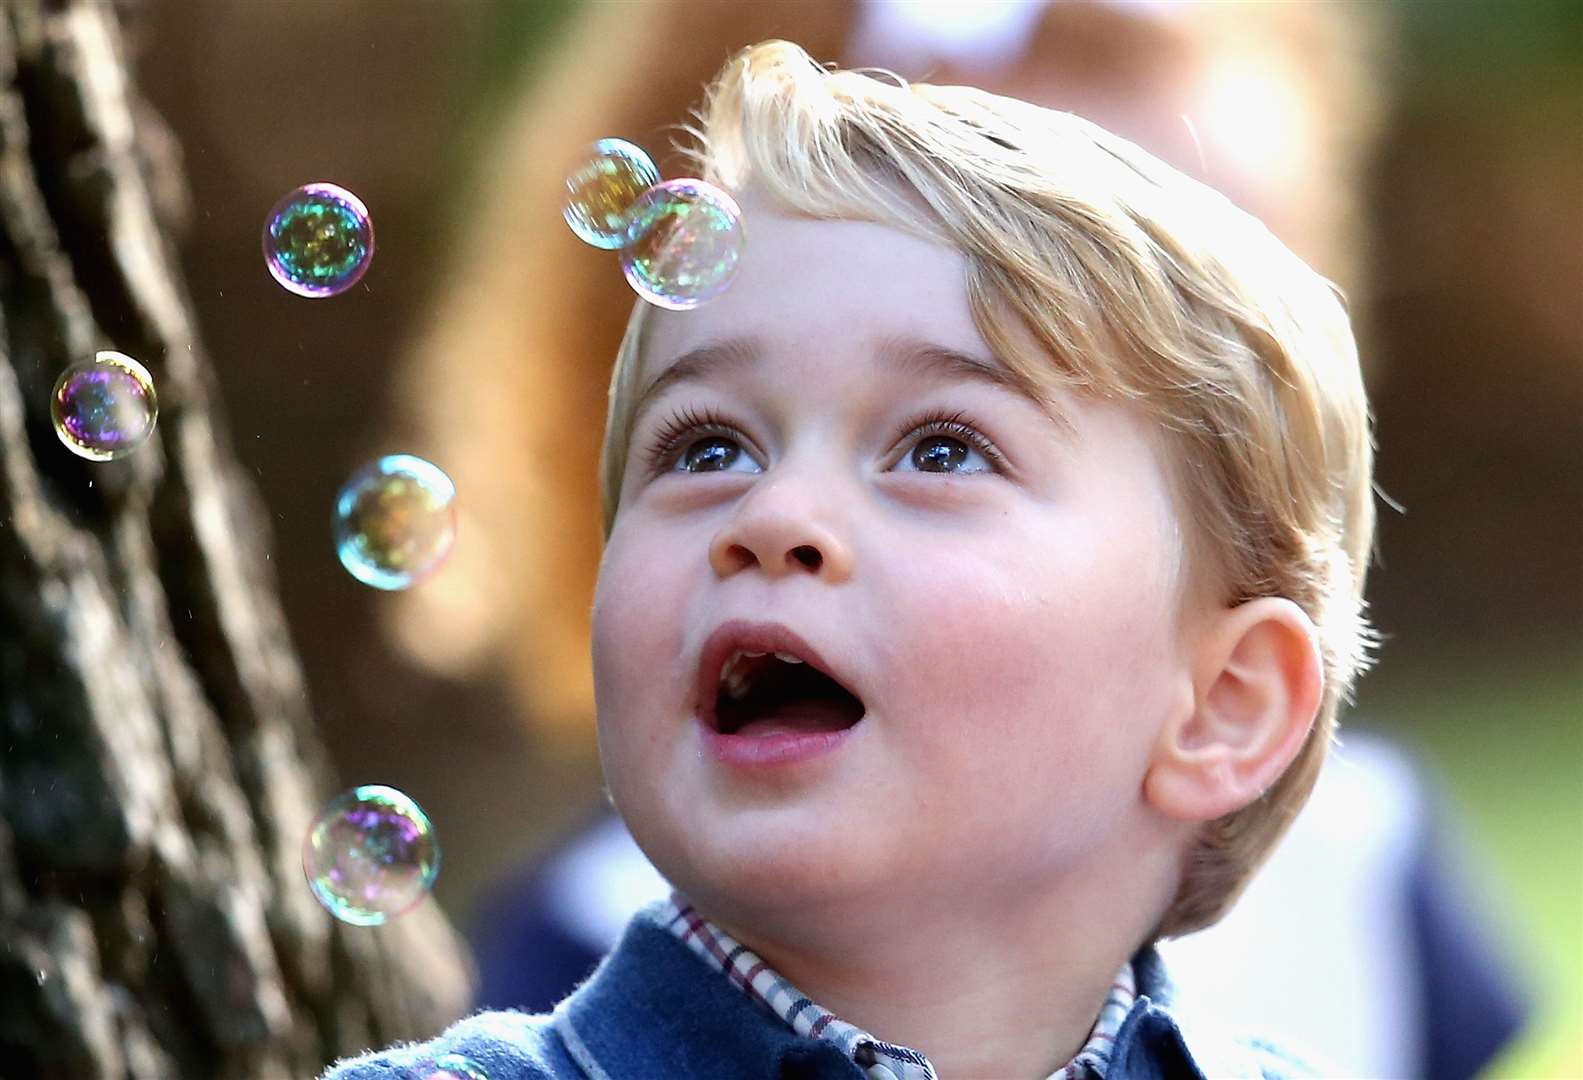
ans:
(158, 763)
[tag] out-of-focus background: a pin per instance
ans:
(1427, 156)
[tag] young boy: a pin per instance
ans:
(983, 573)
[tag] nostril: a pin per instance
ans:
(735, 557)
(808, 555)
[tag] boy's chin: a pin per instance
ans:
(772, 866)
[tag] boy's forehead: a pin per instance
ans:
(816, 283)
(884, 299)
(906, 358)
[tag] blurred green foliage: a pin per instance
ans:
(1473, 48)
(520, 31)
(517, 34)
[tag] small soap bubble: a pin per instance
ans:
(104, 408)
(455, 1067)
(683, 242)
(370, 855)
(601, 192)
(394, 521)
(318, 240)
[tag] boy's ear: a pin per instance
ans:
(1257, 681)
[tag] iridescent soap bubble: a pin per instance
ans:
(318, 240)
(370, 855)
(104, 408)
(601, 192)
(394, 521)
(684, 238)
(454, 1067)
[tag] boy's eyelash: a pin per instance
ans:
(694, 423)
(957, 424)
(686, 422)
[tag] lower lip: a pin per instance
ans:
(781, 748)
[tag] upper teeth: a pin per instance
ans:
(733, 676)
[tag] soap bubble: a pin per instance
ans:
(394, 521)
(601, 192)
(455, 1067)
(370, 855)
(104, 408)
(683, 242)
(318, 240)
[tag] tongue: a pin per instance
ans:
(805, 715)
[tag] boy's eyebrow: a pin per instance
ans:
(906, 355)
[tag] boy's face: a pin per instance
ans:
(1009, 627)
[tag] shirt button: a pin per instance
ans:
(881, 1072)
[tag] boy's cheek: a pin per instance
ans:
(997, 641)
(633, 641)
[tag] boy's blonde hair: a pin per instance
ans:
(1139, 284)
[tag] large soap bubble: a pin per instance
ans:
(394, 521)
(370, 855)
(601, 193)
(684, 238)
(104, 408)
(318, 240)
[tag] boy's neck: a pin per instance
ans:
(990, 984)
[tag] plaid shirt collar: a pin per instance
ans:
(745, 970)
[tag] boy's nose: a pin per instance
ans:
(781, 533)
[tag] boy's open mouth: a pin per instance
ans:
(769, 693)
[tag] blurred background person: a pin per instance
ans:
(1425, 158)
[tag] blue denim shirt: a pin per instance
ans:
(654, 1011)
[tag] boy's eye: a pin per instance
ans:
(937, 443)
(940, 454)
(714, 454)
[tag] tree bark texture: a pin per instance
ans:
(158, 763)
